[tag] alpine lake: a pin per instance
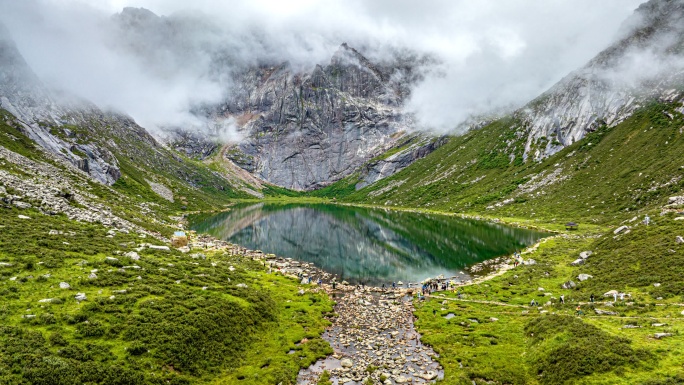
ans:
(367, 246)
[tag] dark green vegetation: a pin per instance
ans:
(364, 245)
(496, 337)
(166, 318)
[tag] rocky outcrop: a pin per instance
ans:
(642, 64)
(305, 130)
(37, 109)
(376, 170)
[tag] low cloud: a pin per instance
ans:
(493, 55)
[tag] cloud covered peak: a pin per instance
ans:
(158, 60)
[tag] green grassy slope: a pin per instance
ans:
(606, 176)
(602, 182)
(167, 318)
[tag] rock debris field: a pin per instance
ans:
(374, 337)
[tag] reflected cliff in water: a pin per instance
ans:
(370, 246)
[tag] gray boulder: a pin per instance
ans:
(577, 262)
(621, 230)
(584, 277)
(569, 285)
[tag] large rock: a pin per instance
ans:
(569, 285)
(586, 254)
(584, 277)
(577, 262)
(347, 363)
(621, 230)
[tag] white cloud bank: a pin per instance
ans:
(494, 54)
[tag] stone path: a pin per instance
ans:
(374, 337)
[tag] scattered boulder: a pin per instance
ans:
(631, 327)
(605, 312)
(22, 205)
(679, 239)
(657, 284)
(428, 376)
(569, 285)
(621, 230)
(23, 217)
(586, 254)
(676, 200)
(584, 277)
(346, 363)
(132, 255)
(577, 262)
(64, 285)
(242, 285)
(610, 293)
(156, 247)
(530, 262)
(111, 259)
(662, 335)
(46, 300)
(80, 297)
(92, 276)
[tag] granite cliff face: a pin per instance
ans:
(305, 130)
(645, 62)
(298, 126)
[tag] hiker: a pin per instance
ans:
(622, 297)
(383, 286)
(434, 312)
(647, 220)
(614, 297)
(562, 298)
(591, 298)
(334, 284)
(394, 285)
(579, 310)
(534, 303)
(320, 282)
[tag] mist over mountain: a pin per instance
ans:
(159, 64)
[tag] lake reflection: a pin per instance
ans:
(370, 246)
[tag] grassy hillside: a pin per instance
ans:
(165, 318)
(610, 174)
(612, 177)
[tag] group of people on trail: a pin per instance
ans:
(517, 259)
(434, 285)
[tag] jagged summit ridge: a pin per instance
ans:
(305, 130)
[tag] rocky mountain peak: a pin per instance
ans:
(644, 62)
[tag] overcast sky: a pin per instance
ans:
(494, 54)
